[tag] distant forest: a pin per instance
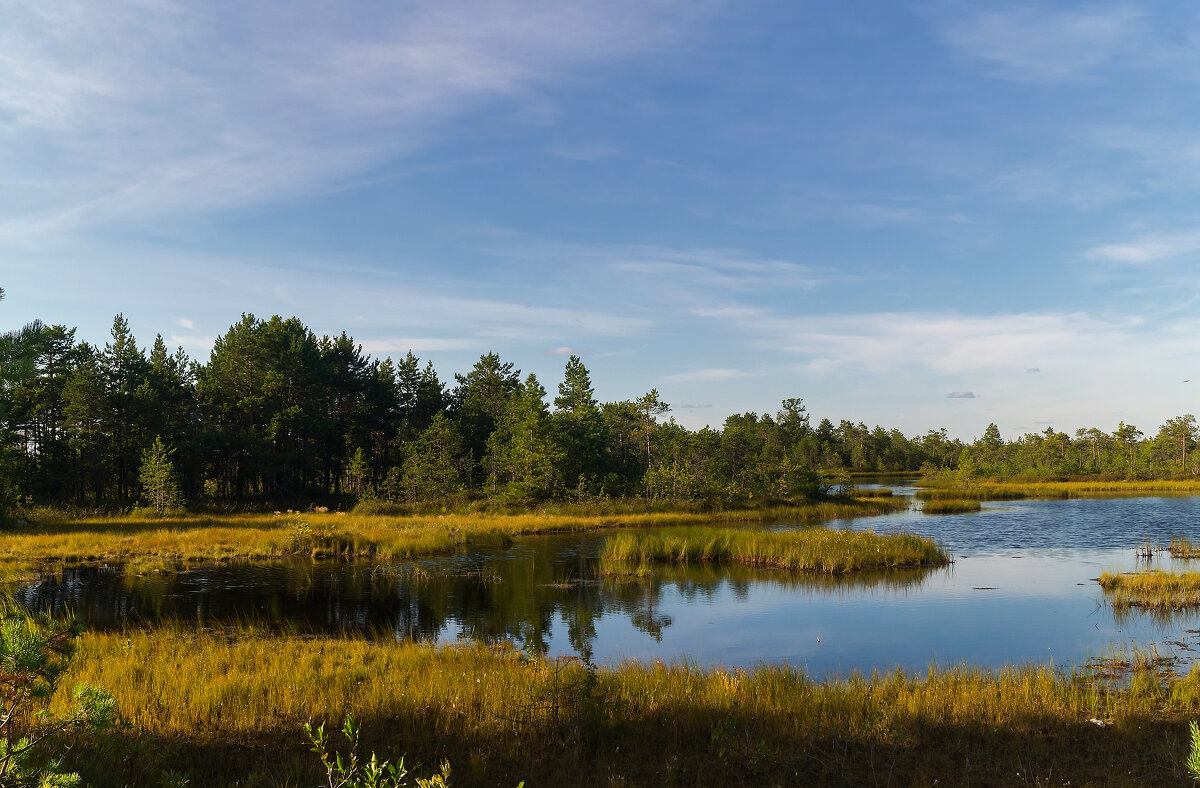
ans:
(278, 416)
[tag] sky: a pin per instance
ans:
(913, 214)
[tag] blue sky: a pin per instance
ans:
(912, 214)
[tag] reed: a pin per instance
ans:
(1182, 547)
(1153, 590)
(227, 710)
(951, 506)
(129, 538)
(810, 549)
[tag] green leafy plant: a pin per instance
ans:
(35, 651)
(1193, 759)
(349, 771)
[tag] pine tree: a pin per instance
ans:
(160, 488)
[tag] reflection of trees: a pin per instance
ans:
(515, 594)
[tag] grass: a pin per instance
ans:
(1003, 491)
(951, 506)
(1182, 547)
(810, 549)
(185, 538)
(228, 710)
(1153, 590)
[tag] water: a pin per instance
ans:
(1021, 589)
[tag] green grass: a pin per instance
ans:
(810, 549)
(1153, 590)
(951, 506)
(228, 709)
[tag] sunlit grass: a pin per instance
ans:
(228, 709)
(810, 549)
(1156, 590)
(1001, 491)
(1182, 547)
(132, 538)
(951, 506)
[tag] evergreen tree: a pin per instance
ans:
(160, 487)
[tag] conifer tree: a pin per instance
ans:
(160, 487)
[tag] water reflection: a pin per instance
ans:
(1021, 590)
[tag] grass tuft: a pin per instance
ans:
(1153, 590)
(811, 549)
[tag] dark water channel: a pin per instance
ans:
(1021, 589)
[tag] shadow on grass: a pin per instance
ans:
(700, 748)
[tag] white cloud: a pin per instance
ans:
(1148, 248)
(416, 345)
(962, 395)
(143, 108)
(563, 351)
(186, 323)
(705, 374)
(1041, 44)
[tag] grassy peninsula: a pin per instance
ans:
(143, 539)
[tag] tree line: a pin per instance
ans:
(280, 416)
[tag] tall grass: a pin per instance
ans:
(1154, 590)
(951, 506)
(229, 710)
(1182, 547)
(810, 549)
(130, 538)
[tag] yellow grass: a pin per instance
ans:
(1156, 590)
(810, 549)
(228, 710)
(266, 536)
(1073, 489)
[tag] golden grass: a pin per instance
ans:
(1154, 590)
(951, 506)
(810, 549)
(999, 491)
(267, 536)
(1182, 547)
(229, 709)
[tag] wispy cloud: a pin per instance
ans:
(584, 151)
(1043, 44)
(417, 345)
(182, 116)
(186, 323)
(705, 374)
(961, 395)
(1148, 248)
(564, 351)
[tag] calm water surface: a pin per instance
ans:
(1021, 589)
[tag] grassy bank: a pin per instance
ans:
(1004, 491)
(137, 539)
(229, 711)
(1153, 590)
(951, 506)
(811, 549)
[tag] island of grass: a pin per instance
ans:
(1182, 547)
(951, 506)
(808, 550)
(151, 541)
(1153, 590)
(223, 708)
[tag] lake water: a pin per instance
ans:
(1021, 589)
